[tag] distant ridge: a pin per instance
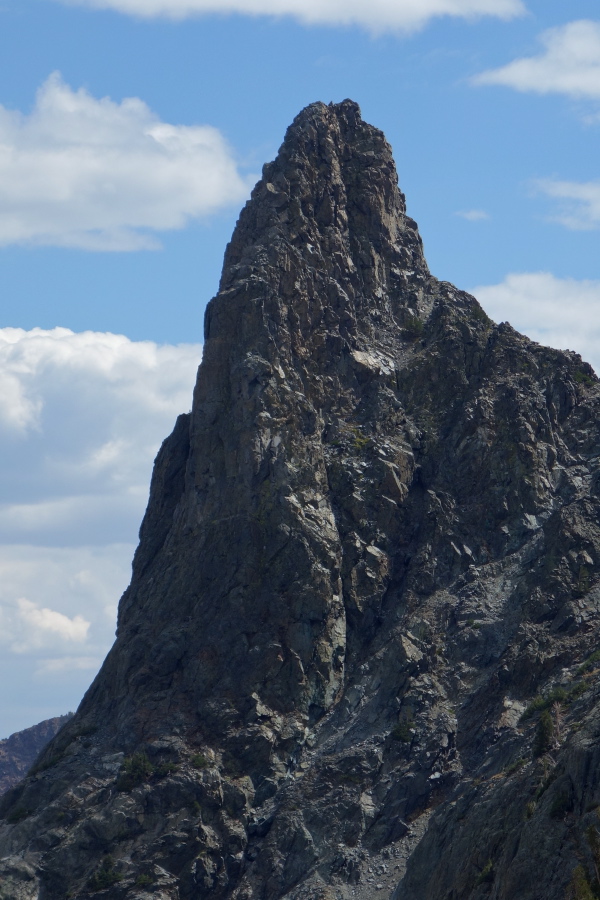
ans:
(19, 751)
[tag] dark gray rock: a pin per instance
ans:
(370, 546)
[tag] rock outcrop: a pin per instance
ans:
(19, 751)
(358, 651)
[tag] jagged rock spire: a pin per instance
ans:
(330, 200)
(322, 258)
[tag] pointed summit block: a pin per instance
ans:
(369, 546)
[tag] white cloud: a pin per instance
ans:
(569, 64)
(579, 207)
(79, 427)
(99, 175)
(43, 623)
(71, 582)
(375, 15)
(53, 642)
(558, 312)
(473, 215)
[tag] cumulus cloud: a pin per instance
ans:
(99, 175)
(57, 621)
(375, 15)
(473, 215)
(559, 312)
(68, 595)
(80, 426)
(43, 623)
(569, 64)
(579, 202)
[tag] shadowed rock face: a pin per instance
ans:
(18, 752)
(370, 545)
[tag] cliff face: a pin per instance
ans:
(18, 752)
(370, 546)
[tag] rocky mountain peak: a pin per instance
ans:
(358, 647)
(329, 201)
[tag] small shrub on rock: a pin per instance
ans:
(487, 873)
(579, 888)
(17, 814)
(413, 328)
(560, 806)
(164, 769)
(135, 770)
(403, 732)
(105, 876)
(543, 734)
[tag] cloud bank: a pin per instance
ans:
(375, 15)
(559, 312)
(81, 419)
(99, 175)
(569, 64)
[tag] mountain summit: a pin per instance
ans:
(358, 651)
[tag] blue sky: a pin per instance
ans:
(131, 132)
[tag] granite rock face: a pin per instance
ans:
(357, 652)
(19, 751)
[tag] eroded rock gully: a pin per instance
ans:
(372, 543)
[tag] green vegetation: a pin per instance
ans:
(544, 734)
(589, 663)
(487, 873)
(231, 766)
(413, 328)
(582, 887)
(17, 814)
(105, 876)
(515, 766)
(582, 378)
(135, 770)
(46, 764)
(164, 769)
(85, 731)
(199, 761)
(545, 783)
(144, 880)
(560, 806)
(359, 441)
(584, 582)
(579, 888)
(478, 313)
(403, 732)
(556, 695)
